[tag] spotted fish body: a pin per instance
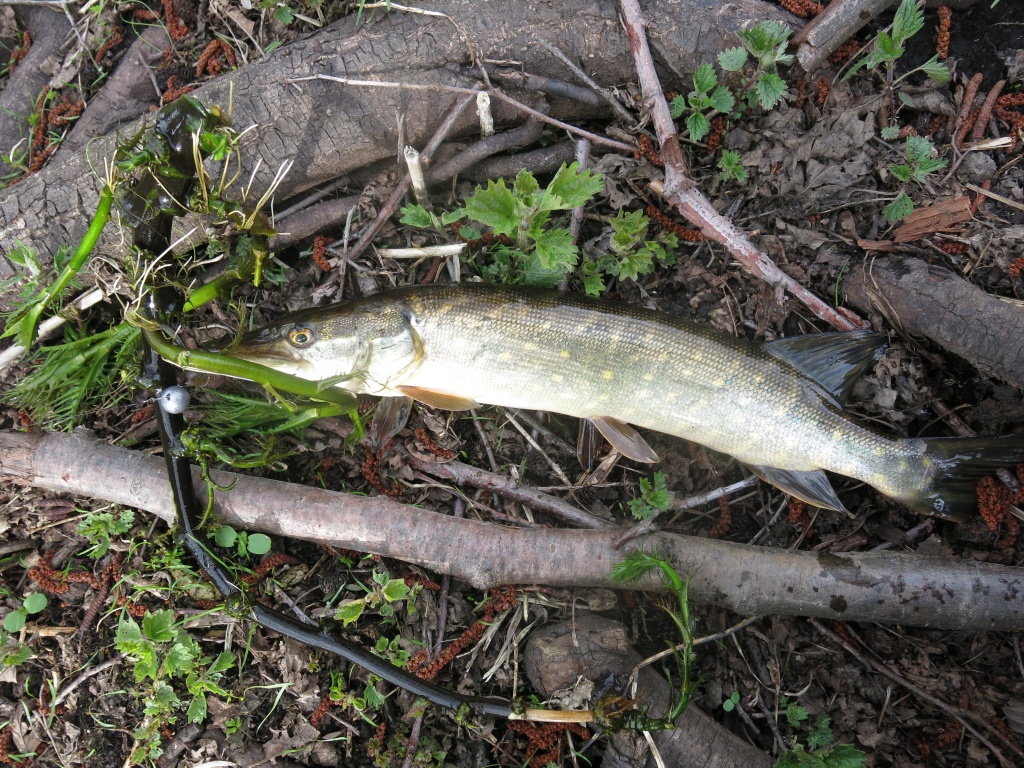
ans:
(775, 407)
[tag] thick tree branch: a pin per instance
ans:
(884, 587)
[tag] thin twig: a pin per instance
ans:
(85, 675)
(954, 712)
(624, 114)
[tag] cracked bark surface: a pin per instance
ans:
(328, 129)
(929, 300)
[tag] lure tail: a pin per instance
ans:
(949, 471)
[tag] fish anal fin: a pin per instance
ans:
(812, 487)
(833, 360)
(625, 439)
(442, 400)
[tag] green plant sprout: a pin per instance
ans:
(654, 497)
(760, 85)
(100, 528)
(889, 45)
(731, 167)
(732, 702)
(633, 568)
(818, 752)
(921, 161)
(15, 620)
(381, 596)
(245, 543)
(630, 254)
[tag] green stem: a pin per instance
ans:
(29, 323)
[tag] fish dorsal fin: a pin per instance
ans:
(812, 487)
(442, 400)
(833, 360)
(625, 439)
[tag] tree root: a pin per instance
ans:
(884, 587)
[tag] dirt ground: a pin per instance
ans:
(819, 178)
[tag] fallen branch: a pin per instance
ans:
(884, 587)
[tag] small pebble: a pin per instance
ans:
(174, 399)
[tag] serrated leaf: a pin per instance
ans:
(821, 734)
(931, 165)
(159, 626)
(732, 59)
(704, 79)
(899, 208)
(525, 185)
(935, 70)
(901, 172)
(494, 207)
(350, 612)
(395, 590)
(890, 132)
(795, 714)
(127, 632)
(770, 88)
(197, 709)
(223, 662)
(555, 249)
(698, 126)
(453, 216)
(908, 21)
(372, 697)
(677, 107)
(179, 659)
(722, 99)
(844, 756)
(573, 188)
(470, 233)
(593, 284)
(415, 216)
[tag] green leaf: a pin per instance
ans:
(901, 172)
(821, 734)
(698, 126)
(128, 632)
(15, 620)
(258, 544)
(593, 284)
(677, 107)
(908, 21)
(795, 714)
(657, 494)
(525, 186)
(573, 188)
(416, 216)
(226, 536)
(222, 663)
(159, 626)
(731, 166)
(197, 709)
(450, 218)
(797, 757)
(284, 15)
(494, 207)
(732, 59)
(844, 756)
(628, 230)
(704, 79)
(372, 696)
(890, 132)
(723, 100)
(180, 658)
(34, 603)
(395, 590)
(555, 249)
(470, 233)
(351, 611)
(935, 70)
(770, 88)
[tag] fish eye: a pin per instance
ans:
(301, 335)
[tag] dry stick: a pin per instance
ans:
(525, 134)
(954, 712)
(624, 114)
(511, 489)
(681, 191)
(825, 33)
(902, 588)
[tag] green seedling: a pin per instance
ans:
(31, 605)
(732, 702)
(921, 161)
(654, 497)
(633, 568)
(889, 45)
(381, 596)
(245, 543)
(100, 528)
(731, 167)
(820, 752)
(630, 254)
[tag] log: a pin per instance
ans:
(886, 587)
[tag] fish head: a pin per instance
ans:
(360, 348)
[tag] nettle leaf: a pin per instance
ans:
(901, 172)
(593, 283)
(159, 626)
(698, 126)
(935, 70)
(395, 590)
(890, 132)
(628, 229)
(704, 79)
(722, 99)
(179, 659)
(844, 756)
(494, 207)
(899, 208)
(574, 188)
(525, 186)
(197, 709)
(677, 107)
(732, 59)
(770, 88)
(931, 165)
(416, 216)
(555, 249)
(919, 148)
(908, 21)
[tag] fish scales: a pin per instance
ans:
(775, 407)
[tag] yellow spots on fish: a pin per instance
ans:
(607, 375)
(557, 378)
(670, 396)
(648, 377)
(565, 354)
(719, 382)
(529, 346)
(504, 357)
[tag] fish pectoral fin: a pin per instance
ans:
(442, 400)
(833, 360)
(812, 487)
(388, 420)
(625, 439)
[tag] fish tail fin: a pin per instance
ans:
(949, 471)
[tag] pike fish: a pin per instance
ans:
(776, 407)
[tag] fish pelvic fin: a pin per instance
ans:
(947, 479)
(812, 487)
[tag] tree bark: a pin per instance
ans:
(929, 300)
(885, 587)
(329, 129)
